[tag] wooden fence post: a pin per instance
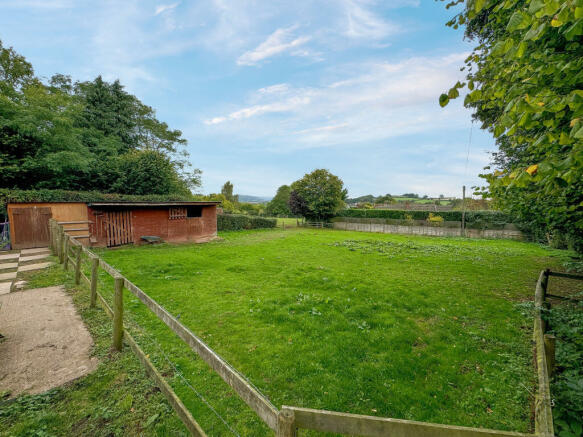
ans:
(66, 252)
(118, 313)
(61, 245)
(286, 423)
(51, 237)
(550, 341)
(78, 264)
(55, 237)
(94, 267)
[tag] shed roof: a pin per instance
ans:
(146, 204)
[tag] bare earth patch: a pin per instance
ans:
(46, 343)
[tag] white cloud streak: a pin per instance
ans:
(362, 23)
(382, 101)
(282, 40)
(165, 8)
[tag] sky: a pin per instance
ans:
(266, 91)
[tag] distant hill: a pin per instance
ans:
(253, 199)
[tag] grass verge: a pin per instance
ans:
(118, 399)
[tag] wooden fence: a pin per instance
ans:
(287, 421)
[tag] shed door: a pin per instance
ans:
(119, 227)
(30, 227)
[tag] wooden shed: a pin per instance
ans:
(118, 223)
(29, 222)
(109, 224)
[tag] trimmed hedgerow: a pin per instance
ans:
(474, 219)
(8, 195)
(239, 222)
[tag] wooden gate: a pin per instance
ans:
(118, 227)
(30, 227)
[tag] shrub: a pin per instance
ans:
(7, 195)
(474, 219)
(238, 222)
(435, 220)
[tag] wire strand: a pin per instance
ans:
(183, 378)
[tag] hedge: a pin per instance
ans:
(238, 222)
(474, 219)
(9, 195)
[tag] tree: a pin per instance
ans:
(297, 205)
(387, 198)
(227, 191)
(318, 195)
(279, 205)
(525, 85)
(148, 172)
(79, 136)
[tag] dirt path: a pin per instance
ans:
(46, 343)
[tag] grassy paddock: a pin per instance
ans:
(409, 327)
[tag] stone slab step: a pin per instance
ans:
(24, 259)
(9, 256)
(6, 266)
(7, 276)
(34, 251)
(30, 267)
(5, 287)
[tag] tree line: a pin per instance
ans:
(525, 85)
(84, 136)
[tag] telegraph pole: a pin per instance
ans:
(464, 210)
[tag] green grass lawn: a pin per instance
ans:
(419, 328)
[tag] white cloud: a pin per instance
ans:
(278, 42)
(362, 23)
(274, 89)
(290, 104)
(165, 8)
(381, 100)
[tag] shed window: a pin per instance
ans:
(177, 213)
(194, 211)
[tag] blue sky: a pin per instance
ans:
(266, 91)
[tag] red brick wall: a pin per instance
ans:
(155, 221)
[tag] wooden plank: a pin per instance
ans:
(78, 252)
(371, 426)
(118, 313)
(86, 279)
(93, 281)
(543, 415)
(567, 275)
(66, 252)
(260, 404)
(78, 222)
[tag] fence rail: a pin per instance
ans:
(289, 420)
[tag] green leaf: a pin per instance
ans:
(151, 420)
(521, 49)
(535, 5)
(579, 12)
(535, 32)
(579, 133)
(514, 22)
(443, 100)
(479, 5)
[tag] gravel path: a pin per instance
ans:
(46, 343)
